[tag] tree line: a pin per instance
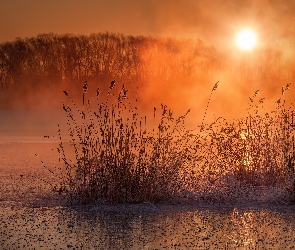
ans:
(71, 59)
(52, 60)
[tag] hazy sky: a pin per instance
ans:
(215, 21)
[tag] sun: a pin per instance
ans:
(246, 39)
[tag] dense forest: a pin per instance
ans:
(49, 63)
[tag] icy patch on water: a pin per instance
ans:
(229, 190)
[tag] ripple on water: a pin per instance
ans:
(143, 227)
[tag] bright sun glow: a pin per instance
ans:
(246, 40)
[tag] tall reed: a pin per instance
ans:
(117, 158)
(250, 153)
(120, 159)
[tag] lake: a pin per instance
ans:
(31, 217)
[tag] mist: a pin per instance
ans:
(178, 72)
(183, 48)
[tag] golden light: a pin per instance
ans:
(246, 39)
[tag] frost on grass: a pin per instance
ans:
(119, 158)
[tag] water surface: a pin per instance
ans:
(32, 217)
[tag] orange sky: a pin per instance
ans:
(215, 21)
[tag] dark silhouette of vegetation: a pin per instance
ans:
(70, 59)
(38, 65)
(119, 159)
(51, 61)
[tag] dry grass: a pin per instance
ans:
(245, 156)
(117, 159)
(120, 160)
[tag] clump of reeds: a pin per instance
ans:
(249, 154)
(118, 160)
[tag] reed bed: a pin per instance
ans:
(251, 158)
(117, 159)
(120, 159)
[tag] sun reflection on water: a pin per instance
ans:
(243, 228)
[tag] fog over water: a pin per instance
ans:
(215, 23)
